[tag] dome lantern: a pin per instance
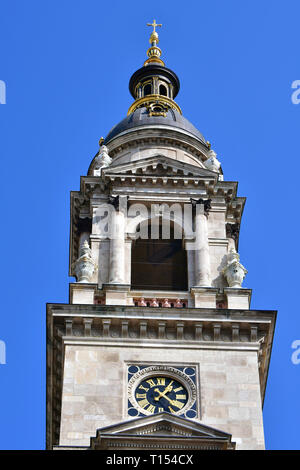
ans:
(154, 86)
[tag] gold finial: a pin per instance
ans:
(208, 144)
(101, 141)
(154, 36)
(154, 52)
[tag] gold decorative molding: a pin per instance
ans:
(157, 99)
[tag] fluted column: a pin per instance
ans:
(202, 259)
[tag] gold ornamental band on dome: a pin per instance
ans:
(156, 99)
(155, 59)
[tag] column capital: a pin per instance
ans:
(205, 202)
(118, 202)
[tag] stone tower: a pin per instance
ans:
(158, 346)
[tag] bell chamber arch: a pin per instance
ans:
(158, 258)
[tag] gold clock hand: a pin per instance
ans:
(162, 394)
(169, 388)
(169, 400)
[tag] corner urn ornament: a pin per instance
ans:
(234, 272)
(85, 265)
(102, 160)
(212, 163)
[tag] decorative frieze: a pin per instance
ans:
(235, 332)
(124, 328)
(217, 331)
(167, 330)
(253, 336)
(198, 332)
(179, 329)
(87, 326)
(69, 325)
(161, 330)
(106, 326)
(143, 329)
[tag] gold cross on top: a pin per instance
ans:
(154, 24)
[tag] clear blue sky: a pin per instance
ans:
(66, 65)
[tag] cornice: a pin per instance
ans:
(161, 135)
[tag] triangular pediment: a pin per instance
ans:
(163, 427)
(159, 165)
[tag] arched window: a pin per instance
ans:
(159, 264)
(147, 89)
(163, 90)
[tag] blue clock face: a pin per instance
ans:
(161, 393)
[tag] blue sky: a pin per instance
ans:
(66, 65)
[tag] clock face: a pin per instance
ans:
(161, 393)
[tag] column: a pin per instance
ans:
(117, 248)
(202, 260)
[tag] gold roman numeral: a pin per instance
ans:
(151, 408)
(161, 381)
(143, 395)
(151, 382)
(180, 397)
(143, 403)
(177, 389)
(178, 404)
(144, 388)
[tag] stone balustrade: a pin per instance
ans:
(160, 302)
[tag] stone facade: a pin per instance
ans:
(95, 390)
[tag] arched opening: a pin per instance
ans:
(163, 90)
(147, 89)
(158, 264)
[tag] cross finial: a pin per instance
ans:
(154, 24)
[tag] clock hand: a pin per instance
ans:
(161, 394)
(169, 400)
(166, 390)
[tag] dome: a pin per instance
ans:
(140, 118)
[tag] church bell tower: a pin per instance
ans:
(158, 347)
